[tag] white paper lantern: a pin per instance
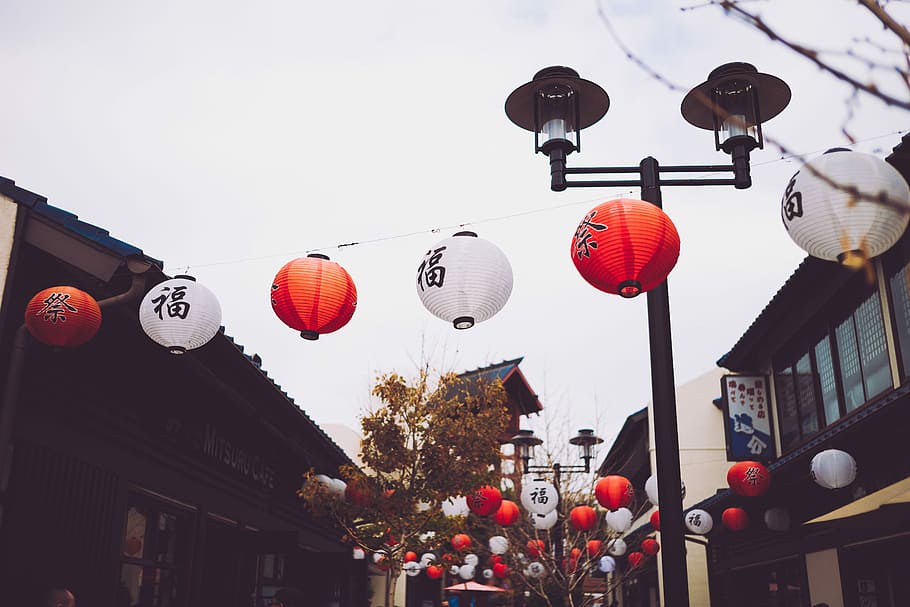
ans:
(699, 521)
(833, 469)
(830, 223)
(426, 559)
(536, 570)
(466, 572)
(378, 556)
(453, 569)
(455, 506)
(777, 519)
(499, 544)
(464, 280)
(617, 547)
(607, 564)
(358, 554)
(619, 520)
(337, 488)
(412, 568)
(180, 314)
(471, 559)
(651, 489)
(544, 521)
(538, 495)
(423, 506)
(487, 574)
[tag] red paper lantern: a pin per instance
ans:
(583, 518)
(535, 548)
(655, 520)
(313, 295)
(575, 554)
(358, 493)
(64, 317)
(749, 479)
(625, 246)
(434, 572)
(635, 559)
(614, 491)
(461, 541)
(410, 556)
(735, 519)
(650, 546)
(507, 514)
(485, 501)
(495, 558)
(593, 547)
(501, 570)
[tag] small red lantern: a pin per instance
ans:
(495, 558)
(485, 501)
(313, 295)
(434, 572)
(507, 514)
(735, 519)
(650, 546)
(583, 518)
(614, 491)
(63, 317)
(535, 548)
(625, 246)
(501, 570)
(749, 479)
(410, 556)
(358, 493)
(655, 520)
(635, 559)
(461, 541)
(593, 547)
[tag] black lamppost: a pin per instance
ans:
(556, 105)
(525, 441)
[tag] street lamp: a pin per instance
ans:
(733, 102)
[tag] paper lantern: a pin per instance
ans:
(749, 479)
(735, 519)
(337, 488)
(499, 544)
(358, 554)
(614, 492)
(699, 521)
(501, 570)
(830, 222)
(617, 547)
(650, 546)
(426, 559)
(655, 520)
(593, 547)
(619, 520)
(455, 506)
(313, 295)
(467, 572)
(833, 468)
(535, 548)
(583, 518)
(180, 314)
(434, 572)
(536, 570)
(357, 492)
(635, 559)
(453, 570)
(484, 501)
(651, 489)
(410, 556)
(607, 564)
(464, 280)
(777, 519)
(507, 514)
(471, 559)
(487, 574)
(411, 568)
(539, 496)
(461, 541)
(62, 317)
(625, 246)
(543, 522)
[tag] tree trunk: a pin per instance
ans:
(390, 581)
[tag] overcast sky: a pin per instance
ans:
(227, 138)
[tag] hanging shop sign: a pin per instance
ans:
(747, 411)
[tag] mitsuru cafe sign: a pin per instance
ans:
(225, 452)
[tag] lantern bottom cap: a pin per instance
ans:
(177, 350)
(309, 335)
(463, 322)
(629, 288)
(855, 258)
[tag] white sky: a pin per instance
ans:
(227, 138)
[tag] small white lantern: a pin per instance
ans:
(412, 568)
(464, 279)
(453, 570)
(357, 553)
(426, 559)
(337, 488)
(455, 506)
(830, 222)
(499, 544)
(699, 521)
(471, 559)
(833, 469)
(466, 572)
(180, 314)
(544, 522)
(777, 519)
(607, 564)
(619, 520)
(487, 574)
(539, 496)
(651, 489)
(536, 570)
(617, 547)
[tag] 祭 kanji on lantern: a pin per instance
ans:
(625, 247)
(62, 317)
(735, 519)
(614, 492)
(484, 501)
(507, 514)
(313, 295)
(749, 479)
(180, 314)
(583, 518)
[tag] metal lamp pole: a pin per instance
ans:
(556, 105)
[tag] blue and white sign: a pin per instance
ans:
(747, 409)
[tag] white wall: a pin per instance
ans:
(824, 578)
(8, 210)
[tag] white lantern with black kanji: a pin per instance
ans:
(846, 206)
(180, 314)
(464, 280)
(544, 522)
(699, 521)
(538, 495)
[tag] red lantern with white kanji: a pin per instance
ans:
(635, 559)
(507, 514)
(655, 520)
(63, 317)
(583, 518)
(313, 295)
(625, 247)
(650, 546)
(735, 519)
(461, 541)
(749, 479)
(484, 501)
(614, 492)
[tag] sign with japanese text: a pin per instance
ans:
(747, 413)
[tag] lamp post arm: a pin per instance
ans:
(740, 168)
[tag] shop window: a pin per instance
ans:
(899, 288)
(875, 573)
(779, 584)
(826, 380)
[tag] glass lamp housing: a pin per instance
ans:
(556, 118)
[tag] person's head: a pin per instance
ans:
(288, 597)
(59, 597)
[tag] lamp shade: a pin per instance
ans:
(735, 519)
(180, 314)
(539, 496)
(749, 479)
(699, 521)
(614, 492)
(583, 518)
(507, 514)
(831, 206)
(313, 295)
(619, 520)
(63, 317)
(625, 246)
(484, 501)
(464, 280)
(833, 468)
